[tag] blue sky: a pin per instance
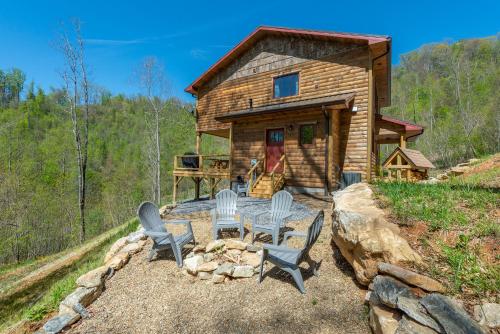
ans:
(189, 36)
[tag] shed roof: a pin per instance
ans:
(382, 66)
(389, 129)
(413, 157)
(343, 100)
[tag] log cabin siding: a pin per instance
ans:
(345, 71)
(305, 166)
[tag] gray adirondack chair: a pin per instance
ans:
(280, 212)
(163, 240)
(288, 259)
(224, 215)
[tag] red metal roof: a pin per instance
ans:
(263, 30)
(408, 126)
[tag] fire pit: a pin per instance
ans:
(223, 260)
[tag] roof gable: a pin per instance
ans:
(413, 157)
(260, 32)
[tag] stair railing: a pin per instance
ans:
(280, 177)
(251, 182)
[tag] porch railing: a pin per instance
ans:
(203, 163)
(251, 181)
(278, 179)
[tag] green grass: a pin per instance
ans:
(443, 206)
(459, 205)
(38, 306)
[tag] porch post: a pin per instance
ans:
(196, 188)
(174, 194)
(402, 141)
(198, 142)
(230, 155)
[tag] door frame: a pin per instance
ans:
(266, 130)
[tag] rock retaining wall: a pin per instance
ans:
(91, 284)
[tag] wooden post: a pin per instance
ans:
(196, 188)
(174, 194)
(398, 170)
(402, 141)
(230, 152)
(198, 142)
(212, 187)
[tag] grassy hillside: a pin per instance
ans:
(455, 226)
(24, 303)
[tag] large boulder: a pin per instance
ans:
(364, 236)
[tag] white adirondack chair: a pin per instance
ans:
(280, 212)
(224, 215)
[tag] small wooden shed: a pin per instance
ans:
(410, 165)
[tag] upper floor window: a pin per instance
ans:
(286, 85)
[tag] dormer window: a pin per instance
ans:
(286, 85)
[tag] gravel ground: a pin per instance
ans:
(157, 297)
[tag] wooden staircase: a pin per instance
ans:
(264, 188)
(266, 184)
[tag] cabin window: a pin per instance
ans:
(286, 85)
(306, 134)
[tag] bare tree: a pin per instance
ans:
(153, 82)
(76, 88)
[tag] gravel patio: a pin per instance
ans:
(157, 297)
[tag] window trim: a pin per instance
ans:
(284, 75)
(313, 143)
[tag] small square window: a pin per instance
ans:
(286, 85)
(306, 134)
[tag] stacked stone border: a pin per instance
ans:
(91, 284)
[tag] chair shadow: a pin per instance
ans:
(281, 275)
(268, 239)
(232, 233)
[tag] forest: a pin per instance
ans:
(450, 88)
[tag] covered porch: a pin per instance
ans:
(210, 169)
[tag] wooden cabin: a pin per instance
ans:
(298, 107)
(406, 164)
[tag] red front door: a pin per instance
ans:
(275, 147)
